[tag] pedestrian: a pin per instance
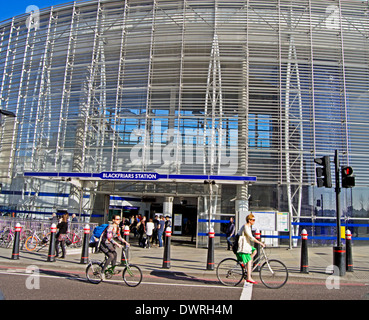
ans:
(150, 226)
(161, 227)
(54, 218)
(61, 236)
(168, 223)
(155, 231)
(230, 232)
(246, 251)
(141, 229)
(74, 224)
(133, 226)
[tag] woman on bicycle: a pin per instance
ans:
(246, 251)
(108, 242)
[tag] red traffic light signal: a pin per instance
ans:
(348, 180)
(347, 171)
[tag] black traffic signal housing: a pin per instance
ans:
(348, 179)
(323, 174)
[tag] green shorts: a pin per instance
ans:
(244, 257)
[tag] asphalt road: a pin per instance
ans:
(17, 284)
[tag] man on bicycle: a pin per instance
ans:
(108, 243)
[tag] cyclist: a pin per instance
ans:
(246, 251)
(108, 243)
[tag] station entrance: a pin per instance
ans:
(181, 210)
(195, 204)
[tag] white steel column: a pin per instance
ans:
(293, 132)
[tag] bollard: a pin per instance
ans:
(339, 259)
(51, 255)
(166, 257)
(15, 253)
(85, 246)
(349, 262)
(257, 247)
(125, 248)
(304, 265)
(210, 261)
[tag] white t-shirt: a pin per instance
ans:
(149, 228)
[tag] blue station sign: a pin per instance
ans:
(129, 176)
(138, 176)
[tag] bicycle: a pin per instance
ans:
(273, 273)
(36, 238)
(6, 237)
(131, 274)
(75, 238)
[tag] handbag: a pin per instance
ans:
(243, 245)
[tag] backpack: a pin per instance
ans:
(235, 244)
(99, 231)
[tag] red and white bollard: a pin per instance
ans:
(15, 253)
(210, 261)
(51, 255)
(85, 246)
(349, 262)
(166, 257)
(304, 265)
(257, 247)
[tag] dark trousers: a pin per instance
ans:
(60, 239)
(111, 255)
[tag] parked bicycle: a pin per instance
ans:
(74, 238)
(6, 237)
(131, 274)
(273, 273)
(40, 238)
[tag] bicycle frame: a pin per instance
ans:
(133, 279)
(260, 259)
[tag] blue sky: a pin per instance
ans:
(11, 8)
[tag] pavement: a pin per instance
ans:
(187, 260)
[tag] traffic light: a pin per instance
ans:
(323, 174)
(348, 179)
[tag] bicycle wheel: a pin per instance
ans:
(230, 272)
(273, 274)
(8, 241)
(132, 275)
(93, 272)
(76, 240)
(31, 243)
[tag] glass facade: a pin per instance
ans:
(234, 88)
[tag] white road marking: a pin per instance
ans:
(20, 272)
(246, 291)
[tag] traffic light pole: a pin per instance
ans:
(339, 257)
(338, 198)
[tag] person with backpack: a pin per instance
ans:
(109, 241)
(246, 252)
